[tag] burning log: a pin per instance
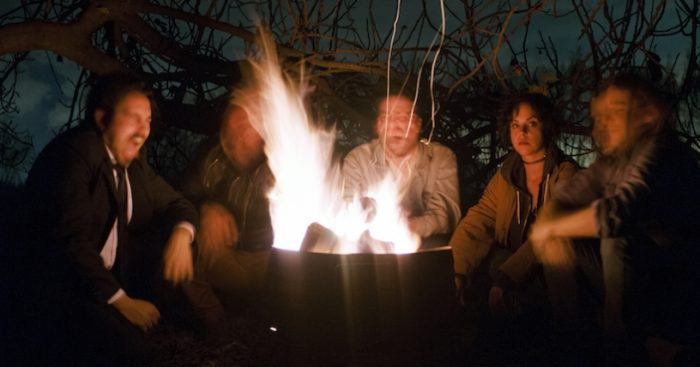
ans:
(322, 240)
(319, 239)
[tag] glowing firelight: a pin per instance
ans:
(308, 182)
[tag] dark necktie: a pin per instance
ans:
(122, 220)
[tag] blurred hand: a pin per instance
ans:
(178, 257)
(217, 231)
(369, 206)
(139, 312)
(496, 304)
(540, 232)
(461, 285)
(555, 252)
(413, 224)
(411, 221)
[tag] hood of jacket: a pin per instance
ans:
(513, 169)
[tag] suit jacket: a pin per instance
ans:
(71, 207)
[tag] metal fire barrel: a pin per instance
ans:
(362, 304)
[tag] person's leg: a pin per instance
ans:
(677, 316)
(675, 293)
(238, 277)
(625, 311)
(143, 278)
(69, 328)
(101, 336)
(497, 256)
(206, 305)
(573, 291)
(516, 301)
(650, 291)
(233, 277)
(575, 295)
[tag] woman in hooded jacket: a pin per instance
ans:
(493, 234)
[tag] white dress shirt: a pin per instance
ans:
(109, 250)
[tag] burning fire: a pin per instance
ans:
(308, 188)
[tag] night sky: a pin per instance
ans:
(44, 96)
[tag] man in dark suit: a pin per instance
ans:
(89, 196)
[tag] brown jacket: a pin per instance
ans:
(488, 222)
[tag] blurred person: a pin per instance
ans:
(230, 185)
(426, 172)
(495, 229)
(90, 198)
(638, 198)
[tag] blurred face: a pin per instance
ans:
(526, 133)
(129, 127)
(392, 126)
(240, 141)
(610, 112)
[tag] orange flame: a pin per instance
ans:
(308, 182)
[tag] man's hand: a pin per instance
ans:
(411, 221)
(139, 312)
(551, 234)
(554, 252)
(218, 230)
(413, 224)
(540, 233)
(498, 308)
(178, 257)
(540, 237)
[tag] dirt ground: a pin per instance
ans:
(251, 342)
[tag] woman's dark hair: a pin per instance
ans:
(543, 107)
(107, 91)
